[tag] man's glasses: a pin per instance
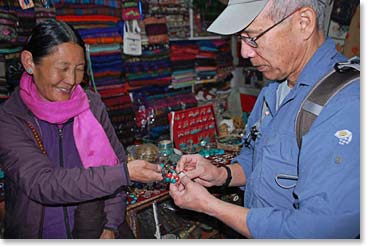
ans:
(252, 41)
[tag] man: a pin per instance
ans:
(291, 192)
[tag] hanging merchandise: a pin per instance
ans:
(132, 38)
(8, 24)
(131, 10)
(44, 9)
(14, 69)
(156, 30)
(26, 4)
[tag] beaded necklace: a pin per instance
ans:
(37, 137)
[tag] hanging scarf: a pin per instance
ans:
(90, 138)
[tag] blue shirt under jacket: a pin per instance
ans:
(325, 200)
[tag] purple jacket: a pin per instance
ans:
(33, 180)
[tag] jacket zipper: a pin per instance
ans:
(61, 158)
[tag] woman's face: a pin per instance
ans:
(57, 74)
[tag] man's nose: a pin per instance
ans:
(247, 51)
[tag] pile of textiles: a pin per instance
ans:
(214, 62)
(16, 20)
(44, 10)
(153, 67)
(176, 13)
(206, 62)
(107, 64)
(183, 56)
(224, 59)
(120, 111)
(156, 30)
(97, 21)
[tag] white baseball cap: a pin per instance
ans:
(236, 16)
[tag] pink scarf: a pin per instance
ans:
(90, 138)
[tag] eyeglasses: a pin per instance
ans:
(252, 41)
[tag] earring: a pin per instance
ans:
(29, 70)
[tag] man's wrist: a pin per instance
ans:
(228, 176)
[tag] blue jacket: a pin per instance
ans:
(324, 202)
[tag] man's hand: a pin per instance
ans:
(190, 195)
(201, 170)
(144, 172)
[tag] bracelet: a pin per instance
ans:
(229, 176)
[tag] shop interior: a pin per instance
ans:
(179, 90)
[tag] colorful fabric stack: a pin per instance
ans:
(224, 59)
(156, 30)
(120, 110)
(214, 63)
(183, 56)
(107, 64)
(98, 21)
(206, 62)
(44, 11)
(177, 16)
(153, 67)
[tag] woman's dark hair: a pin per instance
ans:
(48, 34)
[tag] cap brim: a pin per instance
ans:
(236, 17)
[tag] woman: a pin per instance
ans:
(65, 168)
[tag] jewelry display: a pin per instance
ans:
(190, 126)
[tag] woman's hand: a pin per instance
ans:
(144, 172)
(107, 234)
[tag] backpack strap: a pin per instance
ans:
(343, 74)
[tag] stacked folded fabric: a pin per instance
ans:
(107, 64)
(183, 56)
(153, 67)
(120, 110)
(224, 59)
(206, 64)
(177, 16)
(44, 11)
(156, 30)
(98, 22)
(214, 61)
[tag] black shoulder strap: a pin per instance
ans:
(342, 75)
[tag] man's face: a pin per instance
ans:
(277, 51)
(57, 74)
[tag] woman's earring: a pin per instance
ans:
(29, 70)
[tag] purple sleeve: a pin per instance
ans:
(115, 207)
